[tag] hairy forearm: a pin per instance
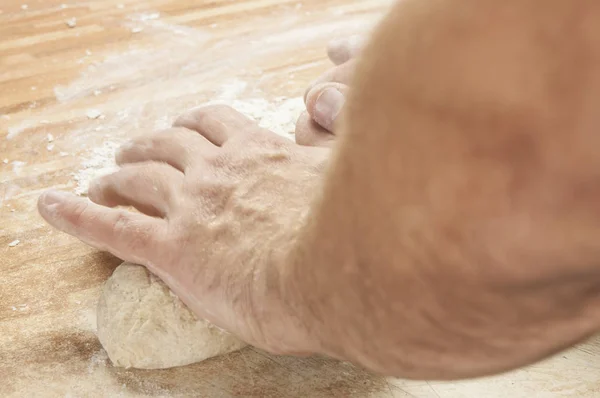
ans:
(369, 272)
(410, 263)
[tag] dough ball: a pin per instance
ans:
(142, 324)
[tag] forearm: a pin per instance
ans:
(365, 273)
(406, 261)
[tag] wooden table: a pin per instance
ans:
(79, 77)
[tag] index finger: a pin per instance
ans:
(130, 236)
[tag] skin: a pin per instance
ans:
(326, 96)
(452, 232)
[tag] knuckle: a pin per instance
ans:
(157, 139)
(206, 114)
(183, 119)
(194, 115)
(135, 147)
(193, 119)
(217, 108)
(134, 236)
(197, 114)
(79, 214)
(170, 134)
(96, 190)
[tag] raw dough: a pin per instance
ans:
(142, 324)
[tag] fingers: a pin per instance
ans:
(176, 147)
(325, 97)
(218, 123)
(130, 236)
(309, 133)
(325, 102)
(343, 50)
(339, 74)
(149, 187)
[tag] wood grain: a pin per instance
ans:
(140, 63)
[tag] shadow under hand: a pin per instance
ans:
(254, 373)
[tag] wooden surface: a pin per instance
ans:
(138, 63)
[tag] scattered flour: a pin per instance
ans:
(100, 162)
(18, 166)
(93, 113)
(87, 319)
(98, 359)
(279, 116)
(71, 22)
(184, 68)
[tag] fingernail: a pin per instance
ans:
(52, 197)
(328, 106)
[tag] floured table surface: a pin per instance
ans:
(77, 78)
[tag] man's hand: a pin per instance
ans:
(219, 203)
(326, 96)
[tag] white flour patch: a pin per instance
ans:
(182, 68)
(15, 131)
(18, 166)
(93, 113)
(87, 319)
(279, 116)
(10, 190)
(101, 162)
(71, 22)
(98, 359)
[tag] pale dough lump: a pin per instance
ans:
(141, 324)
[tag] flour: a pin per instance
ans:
(279, 116)
(18, 166)
(184, 68)
(173, 64)
(101, 162)
(98, 359)
(93, 113)
(71, 22)
(87, 319)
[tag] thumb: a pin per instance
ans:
(324, 103)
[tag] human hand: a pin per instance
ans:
(219, 200)
(326, 96)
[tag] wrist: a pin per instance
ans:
(277, 322)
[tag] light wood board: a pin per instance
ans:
(138, 63)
